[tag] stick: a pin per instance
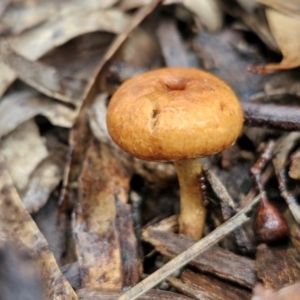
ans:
(186, 256)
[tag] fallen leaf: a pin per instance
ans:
(44, 179)
(34, 43)
(208, 12)
(21, 106)
(43, 78)
(289, 7)
(16, 225)
(285, 30)
(131, 4)
(23, 149)
(20, 17)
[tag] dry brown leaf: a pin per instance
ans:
(36, 42)
(285, 30)
(20, 17)
(289, 7)
(7, 79)
(23, 149)
(44, 179)
(3, 6)
(102, 182)
(17, 225)
(248, 5)
(26, 104)
(208, 11)
(131, 4)
(294, 171)
(43, 78)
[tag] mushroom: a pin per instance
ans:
(177, 115)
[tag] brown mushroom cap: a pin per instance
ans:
(174, 113)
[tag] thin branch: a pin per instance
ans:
(186, 256)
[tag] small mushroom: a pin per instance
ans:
(178, 115)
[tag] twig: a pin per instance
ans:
(186, 256)
(271, 115)
(260, 165)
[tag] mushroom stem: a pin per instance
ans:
(192, 212)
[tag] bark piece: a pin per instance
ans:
(102, 225)
(216, 260)
(274, 266)
(132, 267)
(203, 287)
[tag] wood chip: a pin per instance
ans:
(216, 260)
(203, 287)
(274, 266)
(97, 238)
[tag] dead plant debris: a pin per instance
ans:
(81, 219)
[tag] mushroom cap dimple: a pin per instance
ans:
(174, 113)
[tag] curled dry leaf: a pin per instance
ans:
(43, 78)
(289, 7)
(281, 153)
(3, 6)
(255, 21)
(294, 171)
(131, 4)
(19, 17)
(36, 42)
(285, 30)
(42, 182)
(248, 5)
(17, 225)
(24, 105)
(23, 149)
(208, 11)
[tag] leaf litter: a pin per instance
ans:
(110, 219)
